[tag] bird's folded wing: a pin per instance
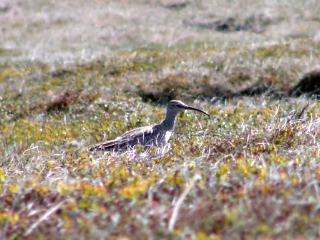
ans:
(130, 138)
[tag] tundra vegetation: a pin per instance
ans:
(76, 73)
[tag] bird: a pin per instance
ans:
(156, 135)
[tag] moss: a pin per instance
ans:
(240, 172)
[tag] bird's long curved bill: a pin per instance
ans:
(198, 110)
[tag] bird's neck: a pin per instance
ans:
(169, 122)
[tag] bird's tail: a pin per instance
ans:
(107, 146)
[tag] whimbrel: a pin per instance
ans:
(156, 135)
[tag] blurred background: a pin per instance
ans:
(65, 30)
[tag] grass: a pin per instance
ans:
(250, 171)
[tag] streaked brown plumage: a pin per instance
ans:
(156, 135)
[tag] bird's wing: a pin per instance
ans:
(146, 131)
(133, 137)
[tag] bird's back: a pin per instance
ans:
(153, 135)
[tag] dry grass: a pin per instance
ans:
(64, 31)
(251, 170)
(71, 78)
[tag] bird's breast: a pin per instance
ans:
(167, 136)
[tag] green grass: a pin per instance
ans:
(250, 171)
(254, 166)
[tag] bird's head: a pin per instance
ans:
(176, 106)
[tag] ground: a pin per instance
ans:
(77, 73)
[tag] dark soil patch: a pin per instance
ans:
(176, 5)
(59, 102)
(309, 84)
(255, 23)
